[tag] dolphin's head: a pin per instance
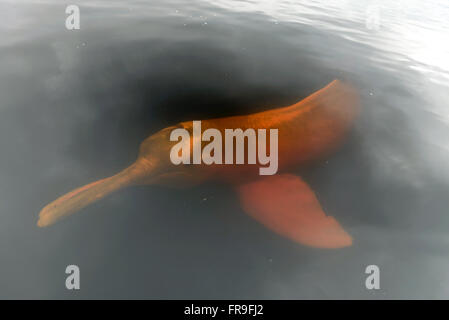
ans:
(154, 165)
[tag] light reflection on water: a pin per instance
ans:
(74, 107)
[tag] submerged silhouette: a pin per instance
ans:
(284, 203)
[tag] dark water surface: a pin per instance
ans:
(75, 105)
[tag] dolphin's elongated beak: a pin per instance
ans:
(83, 196)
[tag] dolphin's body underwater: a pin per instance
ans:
(308, 130)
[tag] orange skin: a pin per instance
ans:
(307, 130)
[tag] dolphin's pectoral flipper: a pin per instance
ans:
(286, 204)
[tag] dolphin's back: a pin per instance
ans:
(307, 130)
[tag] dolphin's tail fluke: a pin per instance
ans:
(83, 196)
